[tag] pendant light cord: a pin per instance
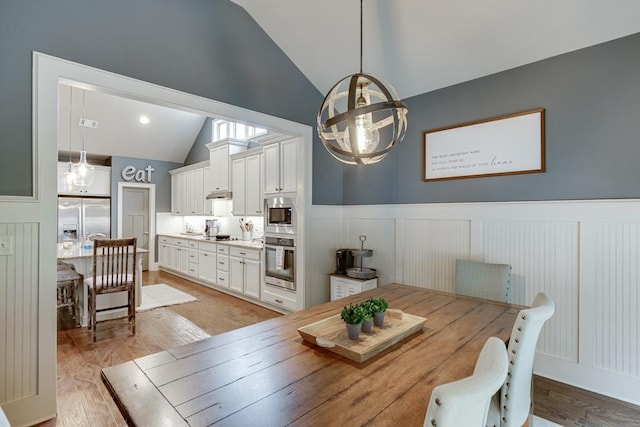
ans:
(360, 36)
(84, 128)
(70, 120)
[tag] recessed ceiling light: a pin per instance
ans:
(144, 120)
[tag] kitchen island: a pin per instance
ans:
(82, 260)
(265, 374)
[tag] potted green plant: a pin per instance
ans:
(379, 306)
(353, 315)
(369, 311)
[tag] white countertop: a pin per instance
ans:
(201, 238)
(76, 251)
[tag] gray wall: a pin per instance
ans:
(160, 177)
(592, 102)
(209, 48)
(199, 152)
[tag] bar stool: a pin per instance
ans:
(68, 281)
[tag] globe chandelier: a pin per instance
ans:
(361, 118)
(83, 171)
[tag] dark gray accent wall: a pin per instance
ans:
(209, 48)
(592, 102)
(199, 152)
(160, 177)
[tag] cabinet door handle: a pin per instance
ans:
(221, 279)
(279, 301)
(243, 253)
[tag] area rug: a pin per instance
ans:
(161, 295)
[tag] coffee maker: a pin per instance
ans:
(211, 227)
(344, 260)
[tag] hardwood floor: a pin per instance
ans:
(84, 400)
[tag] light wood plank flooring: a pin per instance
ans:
(84, 400)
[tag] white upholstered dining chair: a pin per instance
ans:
(483, 280)
(511, 407)
(465, 402)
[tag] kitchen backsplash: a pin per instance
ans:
(172, 224)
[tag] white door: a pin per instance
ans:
(135, 218)
(238, 186)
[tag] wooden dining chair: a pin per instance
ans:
(465, 402)
(512, 406)
(483, 280)
(114, 270)
(68, 281)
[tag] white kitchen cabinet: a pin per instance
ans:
(280, 167)
(252, 278)
(247, 183)
(179, 193)
(164, 255)
(190, 208)
(254, 200)
(238, 187)
(222, 266)
(207, 266)
(198, 191)
(184, 260)
(101, 182)
(219, 153)
(188, 189)
(280, 297)
(245, 271)
(343, 286)
(206, 188)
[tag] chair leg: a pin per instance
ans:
(132, 311)
(93, 314)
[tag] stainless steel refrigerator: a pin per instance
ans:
(79, 217)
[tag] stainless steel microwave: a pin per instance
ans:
(280, 215)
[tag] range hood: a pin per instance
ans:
(221, 194)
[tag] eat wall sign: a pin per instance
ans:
(130, 173)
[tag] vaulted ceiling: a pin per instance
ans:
(422, 45)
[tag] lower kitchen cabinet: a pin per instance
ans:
(279, 297)
(207, 266)
(245, 271)
(343, 286)
(227, 267)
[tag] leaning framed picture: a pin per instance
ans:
(505, 145)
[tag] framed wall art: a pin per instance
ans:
(505, 145)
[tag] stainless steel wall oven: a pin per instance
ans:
(280, 262)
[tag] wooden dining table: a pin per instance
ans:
(267, 375)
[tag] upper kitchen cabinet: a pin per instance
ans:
(101, 182)
(280, 167)
(246, 184)
(188, 192)
(219, 159)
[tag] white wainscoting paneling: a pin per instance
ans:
(430, 250)
(584, 254)
(544, 258)
(326, 235)
(19, 313)
(617, 322)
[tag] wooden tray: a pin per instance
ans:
(331, 333)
